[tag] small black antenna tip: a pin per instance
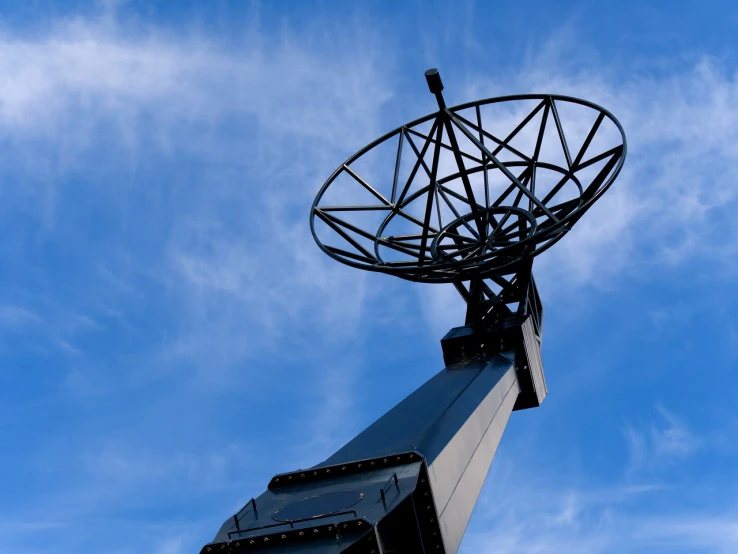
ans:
(434, 80)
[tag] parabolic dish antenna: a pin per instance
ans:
(467, 195)
(470, 191)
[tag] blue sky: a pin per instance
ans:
(170, 336)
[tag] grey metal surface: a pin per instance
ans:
(455, 516)
(455, 422)
(529, 361)
(429, 418)
(381, 489)
(451, 445)
(407, 484)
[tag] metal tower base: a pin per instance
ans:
(409, 482)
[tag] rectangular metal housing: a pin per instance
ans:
(419, 470)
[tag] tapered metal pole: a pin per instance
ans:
(408, 483)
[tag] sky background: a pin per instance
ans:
(171, 337)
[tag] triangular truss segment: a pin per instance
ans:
(466, 200)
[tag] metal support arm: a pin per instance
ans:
(409, 482)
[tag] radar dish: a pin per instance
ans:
(469, 192)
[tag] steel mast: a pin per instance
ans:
(465, 203)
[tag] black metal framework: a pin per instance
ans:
(468, 195)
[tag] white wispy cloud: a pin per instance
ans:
(522, 513)
(235, 254)
(676, 181)
(665, 439)
(17, 316)
(122, 114)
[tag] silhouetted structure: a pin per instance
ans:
(467, 195)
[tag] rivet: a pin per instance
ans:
(251, 542)
(315, 530)
(359, 523)
(330, 528)
(290, 477)
(266, 539)
(327, 470)
(208, 549)
(315, 472)
(345, 526)
(276, 480)
(284, 536)
(359, 465)
(302, 475)
(343, 468)
(372, 463)
(385, 460)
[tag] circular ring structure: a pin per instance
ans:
(469, 191)
(499, 243)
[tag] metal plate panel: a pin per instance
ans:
(455, 517)
(459, 433)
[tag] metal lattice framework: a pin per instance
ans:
(469, 194)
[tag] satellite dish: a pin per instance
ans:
(469, 192)
(468, 195)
